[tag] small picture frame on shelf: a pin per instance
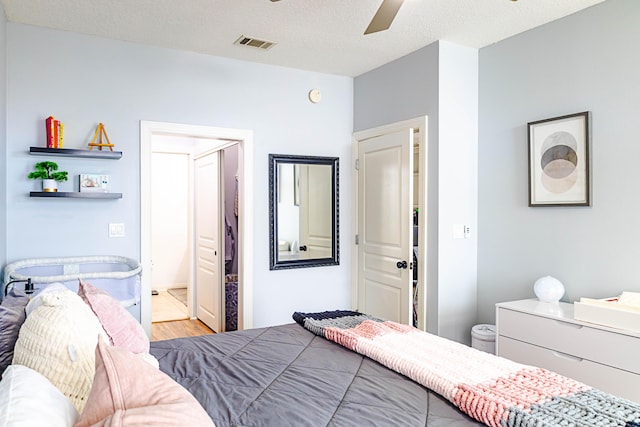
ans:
(94, 183)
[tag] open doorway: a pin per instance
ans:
(185, 144)
(170, 228)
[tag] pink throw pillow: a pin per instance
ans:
(127, 391)
(121, 327)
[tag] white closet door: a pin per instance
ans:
(208, 247)
(385, 203)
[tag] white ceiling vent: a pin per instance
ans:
(253, 42)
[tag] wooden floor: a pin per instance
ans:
(178, 329)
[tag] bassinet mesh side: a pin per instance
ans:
(119, 276)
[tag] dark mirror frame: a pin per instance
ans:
(274, 161)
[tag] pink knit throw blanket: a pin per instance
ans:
(490, 389)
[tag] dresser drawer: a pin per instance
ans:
(597, 345)
(615, 381)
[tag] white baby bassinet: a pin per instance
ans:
(117, 275)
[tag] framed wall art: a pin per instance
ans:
(559, 161)
(93, 183)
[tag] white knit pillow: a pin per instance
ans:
(36, 299)
(59, 339)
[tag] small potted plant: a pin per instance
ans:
(46, 172)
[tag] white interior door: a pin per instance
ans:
(385, 196)
(207, 233)
(316, 201)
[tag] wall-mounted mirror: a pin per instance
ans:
(303, 211)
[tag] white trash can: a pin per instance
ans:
(483, 337)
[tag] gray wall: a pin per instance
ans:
(3, 138)
(400, 90)
(587, 61)
(84, 80)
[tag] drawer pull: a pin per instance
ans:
(568, 325)
(567, 356)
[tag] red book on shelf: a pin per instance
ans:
(50, 132)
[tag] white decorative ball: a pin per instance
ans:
(548, 289)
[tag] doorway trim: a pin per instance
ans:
(420, 123)
(226, 136)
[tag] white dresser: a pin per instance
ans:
(546, 335)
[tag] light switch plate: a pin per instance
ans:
(116, 230)
(458, 231)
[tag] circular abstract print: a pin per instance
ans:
(559, 162)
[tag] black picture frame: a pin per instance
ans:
(559, 169)
(278, 260)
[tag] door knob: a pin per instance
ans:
(402, 264)
(303, 247)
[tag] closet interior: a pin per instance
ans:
(416, 202)
(230, 183)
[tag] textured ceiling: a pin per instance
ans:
(317, 35)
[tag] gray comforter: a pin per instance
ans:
(286, 376)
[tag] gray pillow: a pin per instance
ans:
(12, 316)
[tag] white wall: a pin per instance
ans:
(170, 220)
(586, 61)
(288, 212)
(83, 80)
(457, 189)
(439, 81)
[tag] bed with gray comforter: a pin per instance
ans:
(287, 376)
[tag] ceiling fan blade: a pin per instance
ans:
(384, 16)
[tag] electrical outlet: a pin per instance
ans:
(116, 230)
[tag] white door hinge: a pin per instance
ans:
(357, 239)
(357, 164)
